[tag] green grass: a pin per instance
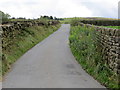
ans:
(26, 40)
(114, 27)
(0, 69)
(70, 20)
(83, 47)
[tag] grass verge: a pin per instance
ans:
(28, 38)
(83, 47)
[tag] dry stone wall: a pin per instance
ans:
(102, 22)
(10, 30)
(108, 43)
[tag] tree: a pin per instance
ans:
(4, 16)
(46, 17)
(21, 18)
(51, 17)
(13, 18)
(55, 18)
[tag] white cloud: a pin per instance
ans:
(60, 8)
(104, 8)
(71, 9)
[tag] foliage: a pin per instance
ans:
(84, 48)
(4, 16)
(47, 17)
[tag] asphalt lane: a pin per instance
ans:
(50, 64)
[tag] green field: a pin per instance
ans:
(114, 27)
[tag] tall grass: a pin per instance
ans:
(84, 48)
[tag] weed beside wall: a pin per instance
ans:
(19, 37)
(97, 49)
(108, 42)
(13, 30)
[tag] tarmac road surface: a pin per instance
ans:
(50, 64)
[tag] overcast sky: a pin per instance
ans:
(60, 8)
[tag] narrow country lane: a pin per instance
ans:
(50, 64)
